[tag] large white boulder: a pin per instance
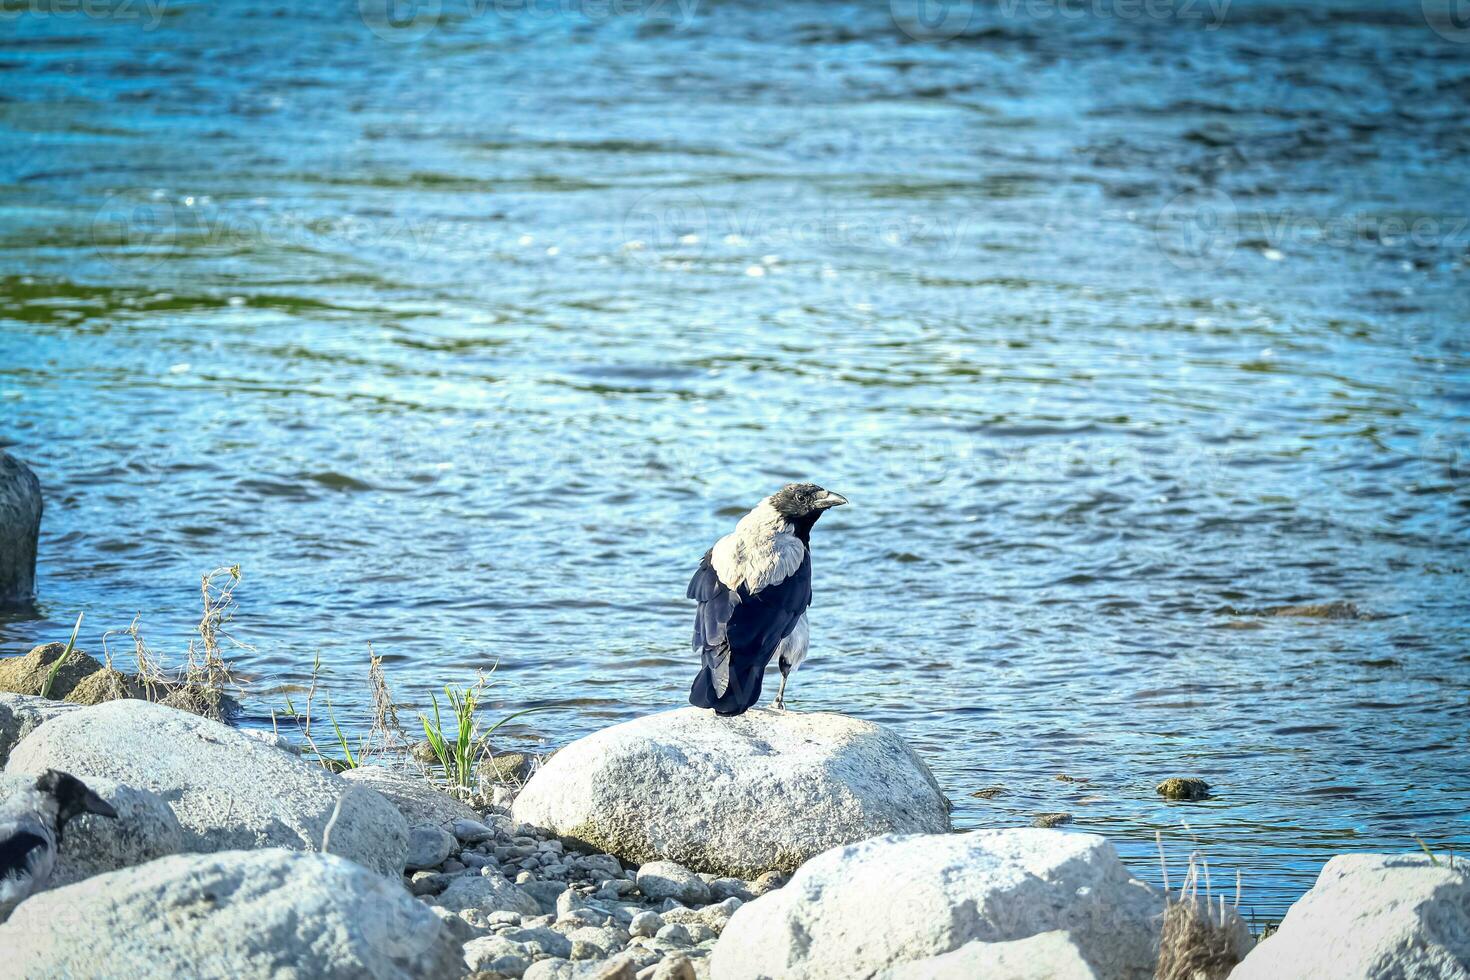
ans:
(856, 911)
(21, 714)
(1373, 917)
(1044, 956)
(733, 796)
(236, 915)
(228, 791)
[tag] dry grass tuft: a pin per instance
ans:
(203, 684)
(386, 735)
(1202, 938)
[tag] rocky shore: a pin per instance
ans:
(680, 846)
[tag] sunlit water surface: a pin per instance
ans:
(1116, 331)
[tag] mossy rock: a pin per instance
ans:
(1178, 788)
(1050, 819)
(505, 767)
(105, 684)
(202, 700)
(27, 674)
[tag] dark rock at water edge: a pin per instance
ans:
(20, 527)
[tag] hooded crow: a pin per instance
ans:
(753, 588)
(31, 822)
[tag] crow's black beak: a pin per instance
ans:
(830, 499)
(93, 803)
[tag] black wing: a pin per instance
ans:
(736, 633)
(21, 852)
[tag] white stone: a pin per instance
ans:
(415, 798)
(21, 714)
(229, 915)
(858, 910)
(228, 791)
(666, 879)
(1373, 917)
(1045, 956)
(428, 847)
(491, 892)
(646, 924)
(733, 796)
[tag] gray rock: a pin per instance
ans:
(568, 900)
(1372, 917)
(491, 892)
(20, 526)
(934, 893)
(723, 888)
(621, 966)
(675, 967)
(675, 935)
(540, 941)
(580, 918)
(665, 879)
(615, 888)
(227, 790)
(415, 798)
(733, 796)
(429, 882)
(605, 863)
(553, 969)
(597, 942)
(21, 714)
(471, 830)
(229, 915)
(545, 893)
(428, 846)
(492, 954)
(1045, 956)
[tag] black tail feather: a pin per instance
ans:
(742, 694)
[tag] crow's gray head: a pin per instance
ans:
(798, 500)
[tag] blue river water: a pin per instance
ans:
(465, 327)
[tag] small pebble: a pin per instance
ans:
(667, 879)
(675, 934)
(674, 967)
(471, 831)
(646, 924)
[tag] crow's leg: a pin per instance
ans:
(780, 703)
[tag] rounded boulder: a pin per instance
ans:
(235, 914)
(229, 791)
(858, 911)
(739, 796)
